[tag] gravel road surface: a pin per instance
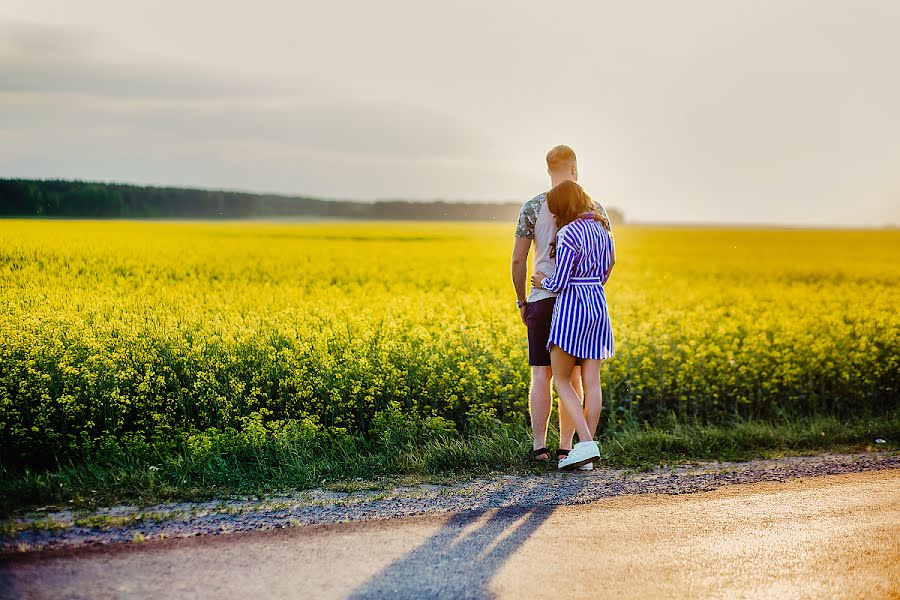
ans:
(62, 529)
(832, 536)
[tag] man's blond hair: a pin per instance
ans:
(560, 157)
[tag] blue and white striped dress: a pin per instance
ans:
(580, 323)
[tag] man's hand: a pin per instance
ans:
(606, 275)
(612, 263)
(522, 313)
(538, 278)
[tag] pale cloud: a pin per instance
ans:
(409, 133)
(58, 94)
(23, 40)
(70, 60)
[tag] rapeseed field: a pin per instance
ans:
(136, 334)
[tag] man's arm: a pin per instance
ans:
(519, 270)
(524, 237)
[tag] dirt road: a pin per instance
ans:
(829, 537)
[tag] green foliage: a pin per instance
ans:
(253, 351)
(58, 198)
(213, 463)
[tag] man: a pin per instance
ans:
(536, 227)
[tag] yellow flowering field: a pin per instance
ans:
(159, 330)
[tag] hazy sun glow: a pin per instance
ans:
(696, 111)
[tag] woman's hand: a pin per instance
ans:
(538, 278)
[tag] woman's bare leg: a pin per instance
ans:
(562, 364)
(566, 424)
(593, 393)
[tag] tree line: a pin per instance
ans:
(82, 199)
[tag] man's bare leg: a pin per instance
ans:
(539, 404)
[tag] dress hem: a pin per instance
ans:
(551, 343)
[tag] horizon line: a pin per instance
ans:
(643, 223)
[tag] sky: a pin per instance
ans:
(696, 111)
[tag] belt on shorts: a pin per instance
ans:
(585, 281)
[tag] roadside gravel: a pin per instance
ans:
(65, 529)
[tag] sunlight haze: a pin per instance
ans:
(780, 112)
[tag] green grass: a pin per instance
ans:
(269, 465)
(642, 449)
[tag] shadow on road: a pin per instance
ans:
(460, 560)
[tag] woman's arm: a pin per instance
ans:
(565, 262)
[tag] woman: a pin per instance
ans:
(580, 327)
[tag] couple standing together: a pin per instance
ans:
(569, 332)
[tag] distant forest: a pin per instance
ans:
(82, 199)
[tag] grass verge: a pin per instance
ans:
(163, 474)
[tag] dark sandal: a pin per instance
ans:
(562, 453)
(536, 453)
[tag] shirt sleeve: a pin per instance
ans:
(527, 219)
(599, 208)
(565, 263)
(605, 216)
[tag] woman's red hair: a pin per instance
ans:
(568, 200)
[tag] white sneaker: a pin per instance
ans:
(586, 467)
(582, 454)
